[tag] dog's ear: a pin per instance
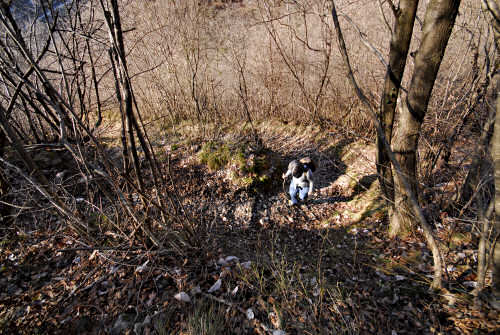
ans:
(298, 170)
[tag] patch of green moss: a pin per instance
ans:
(264, 179)
(255, 170)
(251, 168)
(214, 155)
(240, 160)
(245, 181)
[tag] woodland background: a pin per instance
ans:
(141, 151)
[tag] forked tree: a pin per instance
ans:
(397, 150)
(403, 178)
(398, 53)
(439, 20)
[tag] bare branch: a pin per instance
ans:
(395, 10)
(382, 14)
(365, 41)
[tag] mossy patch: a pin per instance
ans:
(247, 166)
(214, 155)
(255, 170)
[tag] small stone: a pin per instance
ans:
(215, 287)
(250, 314)
(195, 290)
(182, 296)
(231, 258)
(246, 265)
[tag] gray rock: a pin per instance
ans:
(124, 321)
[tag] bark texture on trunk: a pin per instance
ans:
(439, 20)
(493, 7)
(495, 152)
(4, 183)
(398, 53)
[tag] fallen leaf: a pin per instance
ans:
(182, 296)
(141, 268)
(215, 286)
(93, 255)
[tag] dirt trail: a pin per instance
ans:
(212, 195)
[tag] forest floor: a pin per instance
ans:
(259, 266)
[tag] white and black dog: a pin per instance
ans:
(302, 183)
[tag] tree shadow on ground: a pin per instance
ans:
(360, 294)
(363, 185)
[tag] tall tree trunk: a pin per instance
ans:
(398, 53)
(4, 183)
(439, 20)
(116, 38)
(494, 8)
(495, 153)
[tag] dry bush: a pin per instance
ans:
(279, 59)
(263, 59)
(259, 58)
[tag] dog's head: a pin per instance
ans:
(308, 164)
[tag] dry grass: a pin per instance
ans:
(214, 66)
(278, 60)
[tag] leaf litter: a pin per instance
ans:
(301, 270)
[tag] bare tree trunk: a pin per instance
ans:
(482, 259)
(4, 183)
(439, 20)
(125, 152)
(493, 7)
(398, 53)
(495, 152)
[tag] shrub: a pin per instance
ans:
(215, 156)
